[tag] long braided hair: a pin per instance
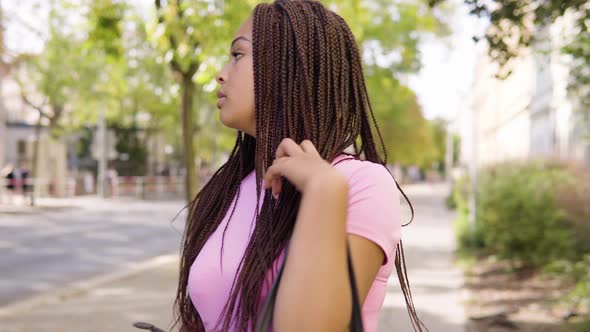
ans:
(308, 84)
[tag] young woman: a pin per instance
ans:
(295, 93)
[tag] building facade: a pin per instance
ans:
(17, 138)
(528, 115)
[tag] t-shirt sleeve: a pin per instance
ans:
(374, 207)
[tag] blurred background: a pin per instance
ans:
(108, 126)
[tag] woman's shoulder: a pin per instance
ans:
(357, 169)
(374, 210)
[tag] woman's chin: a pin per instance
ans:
(225, 120)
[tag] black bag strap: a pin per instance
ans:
(356, 320)
(264, 321)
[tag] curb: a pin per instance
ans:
(80, 287)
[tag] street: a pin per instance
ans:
(45, 251)
(141, 230)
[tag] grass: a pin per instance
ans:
(580, 326)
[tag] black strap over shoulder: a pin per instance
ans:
(266, 314)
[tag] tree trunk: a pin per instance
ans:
(186, 109)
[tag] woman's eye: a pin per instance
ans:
(235, 55)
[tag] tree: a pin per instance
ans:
(148, 106)
(389, 32)
(405, 131)
(439, 129)
(389, 35)
(54, 76)
(194, 36)
(514, 25)
(191, 33)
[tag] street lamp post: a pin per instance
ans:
(102, 152)
(473, 172)
(449, 154)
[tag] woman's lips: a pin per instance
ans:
(220, 101)
(220, 98)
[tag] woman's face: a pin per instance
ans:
(236, 94)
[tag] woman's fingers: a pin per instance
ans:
(275, 180)
(288, 148)
(276, 186)
(308, 147)
(286, 151)
(274, 171)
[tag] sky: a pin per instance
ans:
(23, 21)
(448, 68)
(441, 85)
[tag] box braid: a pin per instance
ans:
(308, 84)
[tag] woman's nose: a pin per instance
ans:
(220, 77)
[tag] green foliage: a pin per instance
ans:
(194, 35)
(533, 213)
(573, 200)
(106, 30)
(516, 24)
(133, 84)
(459, 196)
(580, 326)
(518, 214)
(406, 133)
(134, 150)
(579, 272)
(84, 143)
(151, 95)
(52, 77)
(392, 29)
(439, 133)
(101, 55)
(469, 236)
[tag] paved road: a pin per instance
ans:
(47, 250)
(114, 305)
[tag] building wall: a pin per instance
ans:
(528, 115)
(570, 127)
(52, 168)
(497, 109)
(3, 133)
(17, 136)
(53, 165)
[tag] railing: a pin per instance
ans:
(141, 187)
(148, 187)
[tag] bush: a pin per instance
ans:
(574, 200)
(518, 213)
(537, 214)
(459, 194)
(578, 272)
(534, 213)
(469, 237)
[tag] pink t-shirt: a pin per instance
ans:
(373, 213)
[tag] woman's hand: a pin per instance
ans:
(302, 165)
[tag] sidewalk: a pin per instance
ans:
(113, 304)
(436, 284)
(107, 303)
(44, 204)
